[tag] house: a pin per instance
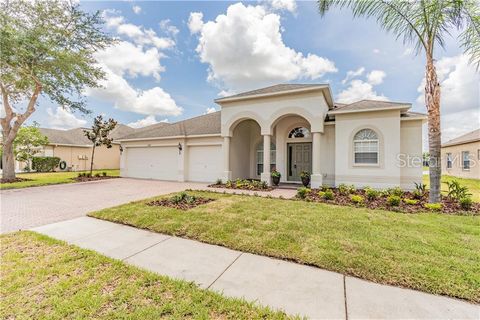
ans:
(461, 156)
(289, 127)
(75, 149)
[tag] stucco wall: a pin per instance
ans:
(410, 153)
(242, 149)
(327, 155)
(387, 126)
(105, 158)
(457, 168)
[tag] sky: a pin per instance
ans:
(173, 58)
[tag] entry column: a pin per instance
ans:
(227, 174)
(316, 178)
(265, 176)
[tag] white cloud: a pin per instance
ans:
(244, 49)
(138, 34)
(63, 119)
(154, 101)
(127, 58)
(210, 110)
(137, 9)
(168, 28)
(460, 96)
(353, 73)
(195, 22)
(359, 90)
(375, 77)
(147, 121)
(376, 51)
(289, 5)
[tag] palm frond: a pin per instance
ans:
(470, 36)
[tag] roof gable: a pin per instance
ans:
(472, 136)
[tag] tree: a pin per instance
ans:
(99, 135)
(46, 48)
(28, 143)
(424, 23)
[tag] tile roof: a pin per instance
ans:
(77, 137)
(204, 124)
(285, 87)
(472, 136)
(367, 105)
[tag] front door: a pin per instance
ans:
(299, 159)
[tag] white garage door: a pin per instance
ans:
(204, 163)
(153, 163)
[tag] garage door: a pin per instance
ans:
(204, 163)
(153, 163)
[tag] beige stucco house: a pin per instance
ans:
(75, 149)
(289, 127)
(461, 156)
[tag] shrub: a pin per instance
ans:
(45, 164)
(81, 174)
(324, 187)
(321, 194)
(357, 199)
(346, 189)
(104, 174)
(275, 174)
(410, 201)
(88, 174)
(457, 191)
(466, 203)
(397, 191)
(371, 194)
(421, 187)
(433, 206)
(394, 200)
(302, 192)
(328, 195)
(304, 174)
(417, 194)
(97, 174)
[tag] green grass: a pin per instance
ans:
(42, 278)
(47, 178)
(473, 185)
(430, 252)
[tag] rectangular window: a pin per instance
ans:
(449, 160)
(273, 155)
(478, 154)
(466, 160)
(366, 152)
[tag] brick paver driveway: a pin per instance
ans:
(31, 207)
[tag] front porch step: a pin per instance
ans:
(289, 185)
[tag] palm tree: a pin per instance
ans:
(425, 24)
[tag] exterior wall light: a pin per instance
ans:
(180, 148)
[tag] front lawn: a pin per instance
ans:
(47, 178)
(42, 278)
(473, 185)
(431, 252)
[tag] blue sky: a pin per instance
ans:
(174, 58)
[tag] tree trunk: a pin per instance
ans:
(91, 160)
(8, 161)
(432, 100)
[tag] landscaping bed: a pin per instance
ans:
(14, 180)
(243, 184)
(182, 201)
(431, 252)
(92, 178)
(43, 278)
(391, 199)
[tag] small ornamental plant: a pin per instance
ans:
(276, 177)
(394, 200)
(410, 201)
(466, 203)
(328, 195)
(303, 192)
(371, 194)
(357, 199)
(433, 206)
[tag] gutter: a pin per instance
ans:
(172, 137)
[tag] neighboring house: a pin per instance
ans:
(461, 156)
(75, 149)
(290, 127)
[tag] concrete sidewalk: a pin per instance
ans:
(294, 288)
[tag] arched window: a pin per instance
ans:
(365, 145)
(299, 132)
(259, 160)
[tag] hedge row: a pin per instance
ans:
(45, 164)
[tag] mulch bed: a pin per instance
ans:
(14, 180)
(449, 206)
(182, 205)
(250, 187)
(85, 179)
